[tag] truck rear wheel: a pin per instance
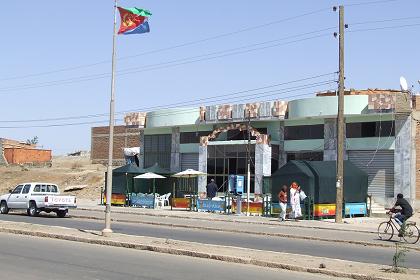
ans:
(3, 207)
(61, 213)
(32, 210)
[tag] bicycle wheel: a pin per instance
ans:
(411, 234)
(385, 231)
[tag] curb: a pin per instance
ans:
(182, 252)
(302, 237)
(223, 220)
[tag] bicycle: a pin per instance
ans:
(410, 234)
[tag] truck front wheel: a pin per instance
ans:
(32, 210)
(61, 213)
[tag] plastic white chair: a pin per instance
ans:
(158, 200)
(165, 199)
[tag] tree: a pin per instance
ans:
(32, 141)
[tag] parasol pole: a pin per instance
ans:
(154, 193)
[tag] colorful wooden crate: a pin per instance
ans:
(254, 207)
(324, 210)
(117, 199)
(180, 202)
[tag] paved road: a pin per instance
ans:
(307, 247)
(37, 258)
(288, 228)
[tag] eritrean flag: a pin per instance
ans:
(133, 21)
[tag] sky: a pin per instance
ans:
(56, 58)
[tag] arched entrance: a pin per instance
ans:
(220, 158)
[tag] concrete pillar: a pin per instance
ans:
(330, 140)
(262, 166)
(415, 115)
(202, 166)
(282, 154)
(141, 153)
(175, 154)
(403, 157)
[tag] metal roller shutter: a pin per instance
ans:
(380, 171)
(189, 160)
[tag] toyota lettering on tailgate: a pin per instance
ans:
(62, 200)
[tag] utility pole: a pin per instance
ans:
(340, 123)
(107, 231)
(248, 168)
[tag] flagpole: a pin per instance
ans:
(107, 231)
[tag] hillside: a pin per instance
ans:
(65, 171)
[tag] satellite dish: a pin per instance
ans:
(403, 84)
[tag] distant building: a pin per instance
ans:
(16, 152)
(380, 136)
(125, 136)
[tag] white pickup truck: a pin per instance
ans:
(37, 197)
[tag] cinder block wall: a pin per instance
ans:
(124, 137)
(22, 156)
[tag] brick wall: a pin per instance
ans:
(23, 156)
(124, 137)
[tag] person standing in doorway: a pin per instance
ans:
(283, 203)
(211, 189)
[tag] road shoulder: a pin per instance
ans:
(293, 262)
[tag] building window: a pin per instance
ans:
(275, 153)
(236, 134)
(303, 132)
(310, 156)
(157, 149)
(370, 129)
(192, 137)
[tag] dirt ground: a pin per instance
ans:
(65, 171)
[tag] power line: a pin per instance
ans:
(211, 56)
(171, 47)
(383, 28)
(190, 110)
(370, 3)
(162, 114)
(168, 64)
(183, 103)
(247, 97)
(383, 20)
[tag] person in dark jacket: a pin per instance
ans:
(403, 214)
(211, 189)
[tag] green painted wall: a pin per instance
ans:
(157, 130)
(304, 145)
(232, 142)
(311, 121)
(370, 118)
(327, 106)
(188, 148)
(194, 128)
(172, 117)
(371, 143)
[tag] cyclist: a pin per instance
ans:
(403, 214)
